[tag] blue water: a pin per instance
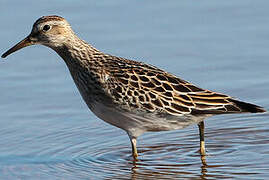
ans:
(47, 131)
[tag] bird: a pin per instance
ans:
(134, 96)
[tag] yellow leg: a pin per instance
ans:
(201, 126)
(134, 149)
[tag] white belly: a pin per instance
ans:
(136, 124)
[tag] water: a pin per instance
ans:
(47, 132)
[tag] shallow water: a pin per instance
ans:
(47, 132)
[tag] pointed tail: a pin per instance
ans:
(247, 107)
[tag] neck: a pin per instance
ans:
(83, 63)
(76, 51)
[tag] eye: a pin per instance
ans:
(46, 28)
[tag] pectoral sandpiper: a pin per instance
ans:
(131, 95)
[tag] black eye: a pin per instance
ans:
(46, 27)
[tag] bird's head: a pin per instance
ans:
(51, 31)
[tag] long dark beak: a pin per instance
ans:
(24, 43)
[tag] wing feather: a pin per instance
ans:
(155, 90)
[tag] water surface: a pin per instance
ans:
(47, 132)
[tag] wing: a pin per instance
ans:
(138, 86)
